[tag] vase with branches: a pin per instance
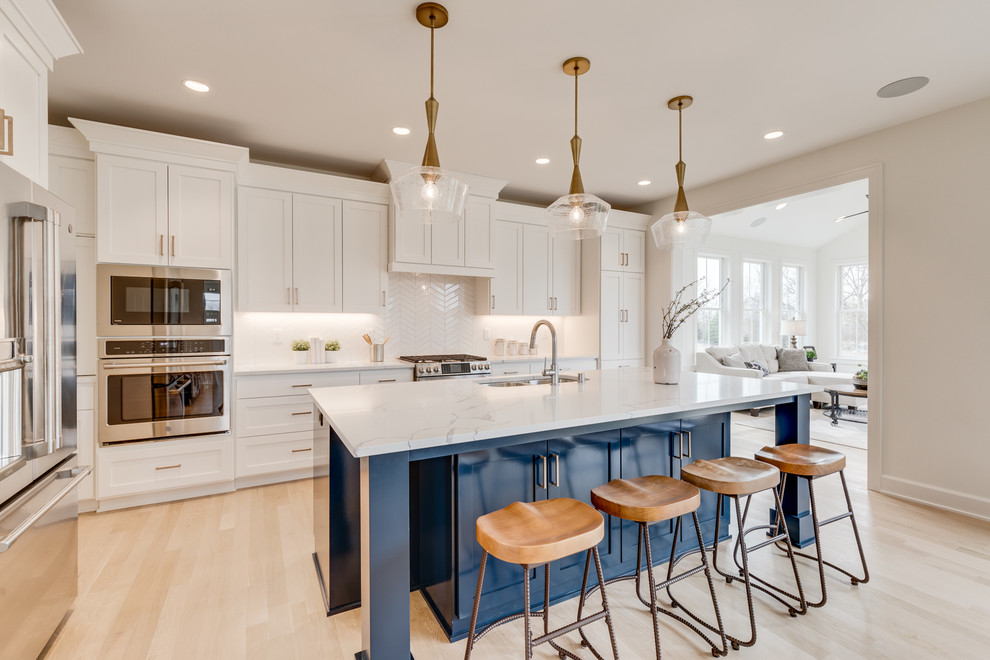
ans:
(666, 358)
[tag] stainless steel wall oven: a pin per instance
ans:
(152, 389)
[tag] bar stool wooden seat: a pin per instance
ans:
(733, 477)
(812, 462)
(535, 533)
(652, 499)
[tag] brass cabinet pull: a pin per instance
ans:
(306, 385)
(493, 301)
(383, 297)
(509, 373)
(386, 380)
(556, 470)
(169, 467)
(173, 245)
(161, 245)
(297, 295)
(688, 454)
(296, 451)
(543, 470)
(308, 412)
(7, 134)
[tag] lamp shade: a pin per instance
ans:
(430, 192)
(578, 216)
(794, 328)
(681, 229)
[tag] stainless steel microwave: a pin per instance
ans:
(155, 301)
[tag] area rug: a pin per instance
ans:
(847, 433)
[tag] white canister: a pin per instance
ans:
(499, 346)
(510, 348)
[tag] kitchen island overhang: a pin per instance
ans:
(387, 428)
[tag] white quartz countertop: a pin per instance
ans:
(381, 419)
(366, 365)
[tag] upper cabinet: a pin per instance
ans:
(162, 200)
(535, 274)
(32, 36)
(461, 248)
(304, 252)
(624, 250)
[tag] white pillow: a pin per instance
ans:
(721, 352)
(752, 353)
(734, 360)
(770, 358)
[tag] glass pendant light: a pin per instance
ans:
(577, 214)
(428, 190)
(683, 227)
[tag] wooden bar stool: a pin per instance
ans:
(731, 477)
(653, 499)
(811, 463)
(535, 533)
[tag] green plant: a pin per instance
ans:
(299, 345)
(811, 355)
(862, 373)
(332, 345)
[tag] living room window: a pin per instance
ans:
(709, 320)
(853, 309)
(792, 292)
(754, 312)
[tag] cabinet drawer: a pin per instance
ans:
(512, 368)
(273, 415)
(578, 364)
(147, 467)
(621, 364)
(277, 453)
(249, 387)
(386, 376)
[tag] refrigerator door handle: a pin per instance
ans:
(77, 474)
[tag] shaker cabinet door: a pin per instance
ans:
(132, 215)
(200, 217)
(316, 254)
(264, 250)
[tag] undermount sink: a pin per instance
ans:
(520, 381)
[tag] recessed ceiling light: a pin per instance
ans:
(196, 86)
(542, 161)
(772, 135)
(644, 182)
(902, 87)
(780, 206)
(400, 130)
(759, 221)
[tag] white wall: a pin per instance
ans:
(851, 247)
(929, 233)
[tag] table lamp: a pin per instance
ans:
(794, 328)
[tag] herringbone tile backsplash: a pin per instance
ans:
(430, 313)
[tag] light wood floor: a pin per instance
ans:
(231, 576)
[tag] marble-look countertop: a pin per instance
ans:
(366, 365)
(380, 419)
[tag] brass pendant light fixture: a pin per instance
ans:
(683, 227)
(429, 190)
(577, 215)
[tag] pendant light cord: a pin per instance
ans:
(433, 20)
(576, 76)
(680, 133)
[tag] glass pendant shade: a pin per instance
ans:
(430, 192)
(578, 216)
(681, 229)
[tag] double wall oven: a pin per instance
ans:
(164, 368)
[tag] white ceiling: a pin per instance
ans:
(320, 83)
(808, 220)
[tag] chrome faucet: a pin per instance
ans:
(554, 370)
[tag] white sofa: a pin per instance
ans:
(819, 373)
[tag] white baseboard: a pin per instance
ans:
(943, 498)
(157, 497)
(273, 478)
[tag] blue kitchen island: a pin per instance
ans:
(403, 470)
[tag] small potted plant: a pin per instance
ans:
(810, 352)
(300, 348)
(332, 350)
(860, 378)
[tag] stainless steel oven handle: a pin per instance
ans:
(145, 365)
(39, 514)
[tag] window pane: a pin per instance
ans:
(853, 310)
(790, 293)
(709, 324)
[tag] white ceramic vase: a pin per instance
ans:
(330, 356)
(666, 364)
(301, 356)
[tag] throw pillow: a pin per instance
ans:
(721, 352)
(735, 360)
(770, 353)
(757, 366)
(752, 353)
(793, 359)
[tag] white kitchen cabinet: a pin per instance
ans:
(308, 253)
(565, 280)
(503, 293)
(374, 376)
(536, 255)
(74, 180)
(365, 242)
(32, 37)
(479, 235)
(624, 250)
(150, 212)
(622, 302)
(129, 470)
(86, 437)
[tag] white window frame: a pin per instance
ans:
(801, 310)
(840, 310)
(764, 299)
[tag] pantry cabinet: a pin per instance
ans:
(624, 250)
(622, 303)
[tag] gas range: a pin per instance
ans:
(457, 365)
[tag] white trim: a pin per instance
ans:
(254, 480)
(309, 182)
(165, 495)
(41, 25)
(65, 141)
(943, 498)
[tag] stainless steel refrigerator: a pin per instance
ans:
(38, 472)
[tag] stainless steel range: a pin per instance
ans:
(457, 365)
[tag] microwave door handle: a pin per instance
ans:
(172, 365)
